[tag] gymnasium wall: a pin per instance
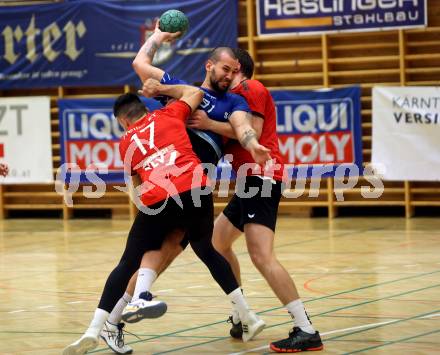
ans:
(389, 58)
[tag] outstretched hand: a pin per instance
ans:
(261, 154)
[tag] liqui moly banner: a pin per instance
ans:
(320, 130)
(89, 137)
(25, 139)
(283, 17)
(406, 133)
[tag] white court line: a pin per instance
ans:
(410, 265)
(164, 291)
(198, 286)
(44, 307)
(325, 333)
(18, 311)
(74, 302)
(358, 327)
(255, 280)
(349, 270)
(431, 316)
(251, 293)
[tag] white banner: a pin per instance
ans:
(25, 139)
(406, 133)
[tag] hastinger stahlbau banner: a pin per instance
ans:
(406, 133)
(320, 131)
(284, 17)
(88, 42)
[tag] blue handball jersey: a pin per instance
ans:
(218, 106)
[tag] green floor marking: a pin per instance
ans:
(275, 308)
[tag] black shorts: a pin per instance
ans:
(195, 219)
(207, 155)
(262, 208)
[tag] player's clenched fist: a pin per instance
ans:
(150, 88)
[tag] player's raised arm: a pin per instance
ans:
(143, 62)
(190, 94)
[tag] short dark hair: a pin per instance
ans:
(216, 52)
(130, 106)
(246, 62)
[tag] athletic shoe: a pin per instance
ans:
(113, 335)
(142, 308)
(236, 329)
(252, 326)
(297, 341)
(82, 345)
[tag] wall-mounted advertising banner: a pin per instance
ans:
(25, 139)
(406, 131)
(89, 138)
(89, 42)
(320, 130)
(283, 17)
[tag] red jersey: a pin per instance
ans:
(261, 104)
(158, 149)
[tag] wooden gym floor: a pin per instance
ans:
(370, 285)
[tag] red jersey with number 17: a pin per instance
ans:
(261, 104)
(158, 149)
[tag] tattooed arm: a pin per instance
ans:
(143, 63)
(246, 135)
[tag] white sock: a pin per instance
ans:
(116, 314)
(145, 279)
(300, 317)
(97, 322)
(235, 314)
(239, 303)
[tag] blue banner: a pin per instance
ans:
(93, 43)
(89, 139)
(320, 131)
(275, 17)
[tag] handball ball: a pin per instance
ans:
(173, 21)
